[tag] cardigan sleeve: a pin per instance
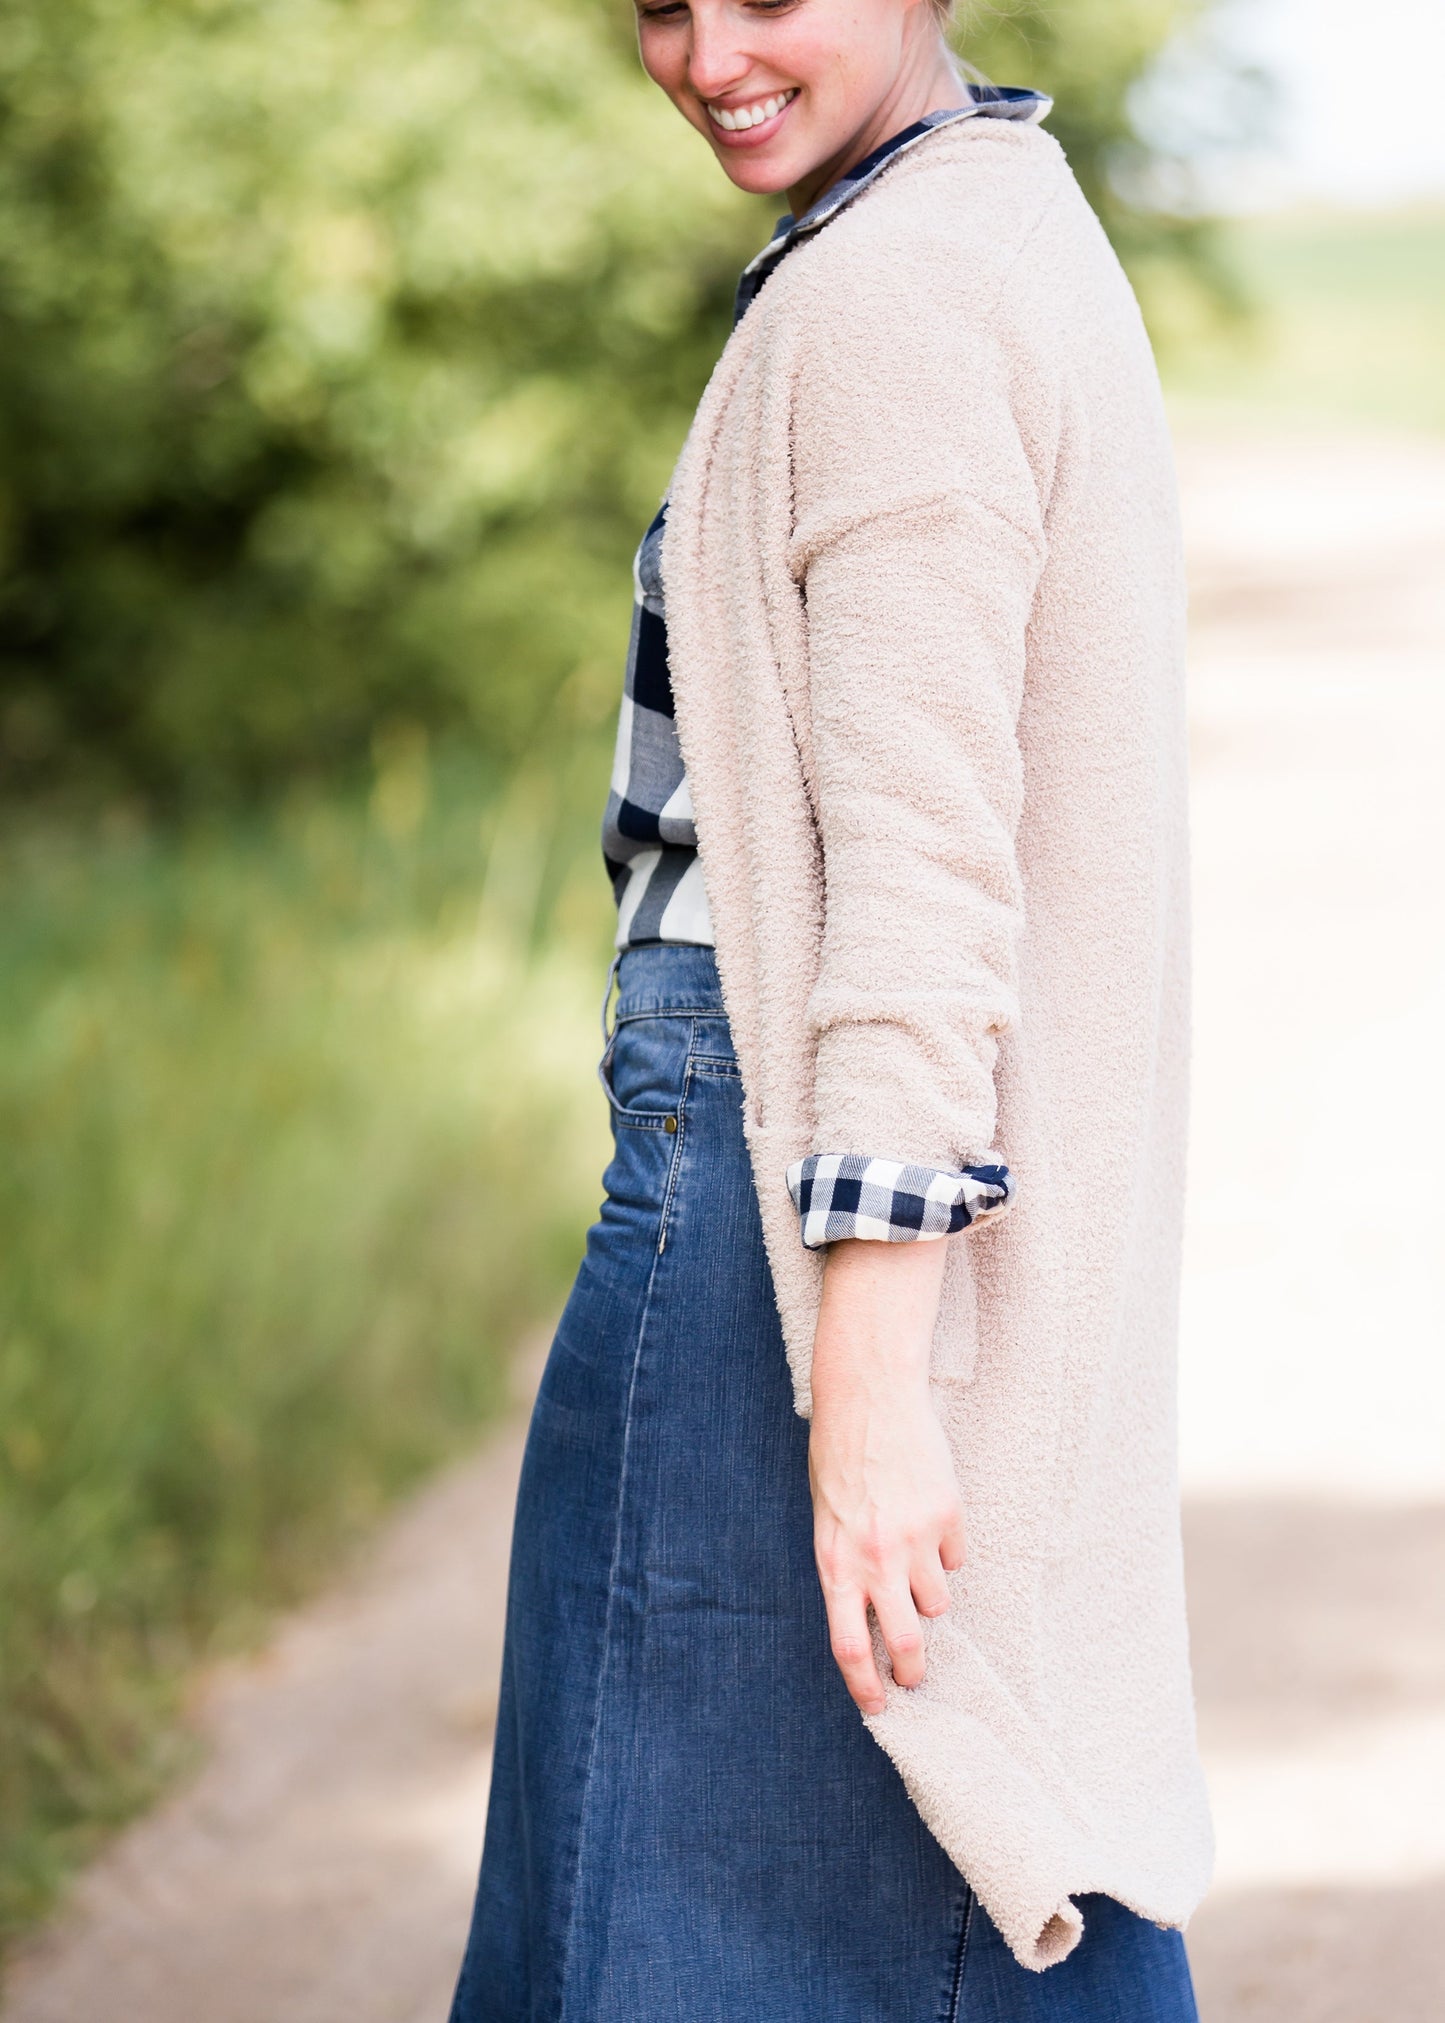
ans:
(918, 545)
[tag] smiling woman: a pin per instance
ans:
(897, 836)
(791, 92)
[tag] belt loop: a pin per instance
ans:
(612, 969)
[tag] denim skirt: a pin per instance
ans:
(689, 1822)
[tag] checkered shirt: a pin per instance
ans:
(843, 1194)
(649, 842)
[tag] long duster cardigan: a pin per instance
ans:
(925, 604)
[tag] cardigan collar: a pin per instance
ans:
(985, 101)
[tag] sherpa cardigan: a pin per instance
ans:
(925, 605)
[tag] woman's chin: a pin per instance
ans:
(758, 176)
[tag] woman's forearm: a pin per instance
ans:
(887, 1519)
(875, 1324)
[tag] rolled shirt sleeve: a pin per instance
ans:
(846, 1195)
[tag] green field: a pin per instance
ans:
(1347, 324)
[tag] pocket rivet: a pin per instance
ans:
(670, 1124)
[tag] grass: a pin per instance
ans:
(1348, 324)
(299, 1132)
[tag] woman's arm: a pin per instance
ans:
(887, 1521)
(919, 539)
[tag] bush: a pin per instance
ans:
(341, 348)
(344, 350)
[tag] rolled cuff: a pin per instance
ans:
(839, 1195)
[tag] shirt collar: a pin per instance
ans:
(986, 101)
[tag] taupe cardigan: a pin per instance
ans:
(925, 610)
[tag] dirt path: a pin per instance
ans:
(1314, 1320)
(319, 1870)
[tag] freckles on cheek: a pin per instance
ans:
(836, 76)
(661, 63)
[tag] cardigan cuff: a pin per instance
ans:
(844, 1194)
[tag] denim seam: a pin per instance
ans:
(675, 1162)
(667, 1011)
(951, 2014)
(608, 1630)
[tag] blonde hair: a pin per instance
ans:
(969, 73)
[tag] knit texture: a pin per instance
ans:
(925, 605)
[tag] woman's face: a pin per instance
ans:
(783, 87)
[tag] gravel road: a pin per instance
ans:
(319, 1868)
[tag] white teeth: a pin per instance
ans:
(737, 119)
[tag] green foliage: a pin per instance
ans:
(301, 1130)
(1350, 323)
(1097, 57)
(338, 340)
(344, 349)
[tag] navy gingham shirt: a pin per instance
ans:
(650, 844)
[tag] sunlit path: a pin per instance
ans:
(1313, 1374)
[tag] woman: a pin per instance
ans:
(908, 641)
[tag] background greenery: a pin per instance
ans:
(1349, 322)
(296, 1143)
(345, 346)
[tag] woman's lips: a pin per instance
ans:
(750, 136)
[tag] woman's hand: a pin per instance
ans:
(887, 1521)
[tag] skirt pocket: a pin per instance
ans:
(644, 1074)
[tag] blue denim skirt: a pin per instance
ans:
(689, 1822)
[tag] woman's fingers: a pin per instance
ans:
(902, 1633)
(853, 1648)
(898, 1610)
(930, 1589)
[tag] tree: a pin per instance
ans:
(344, 349)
